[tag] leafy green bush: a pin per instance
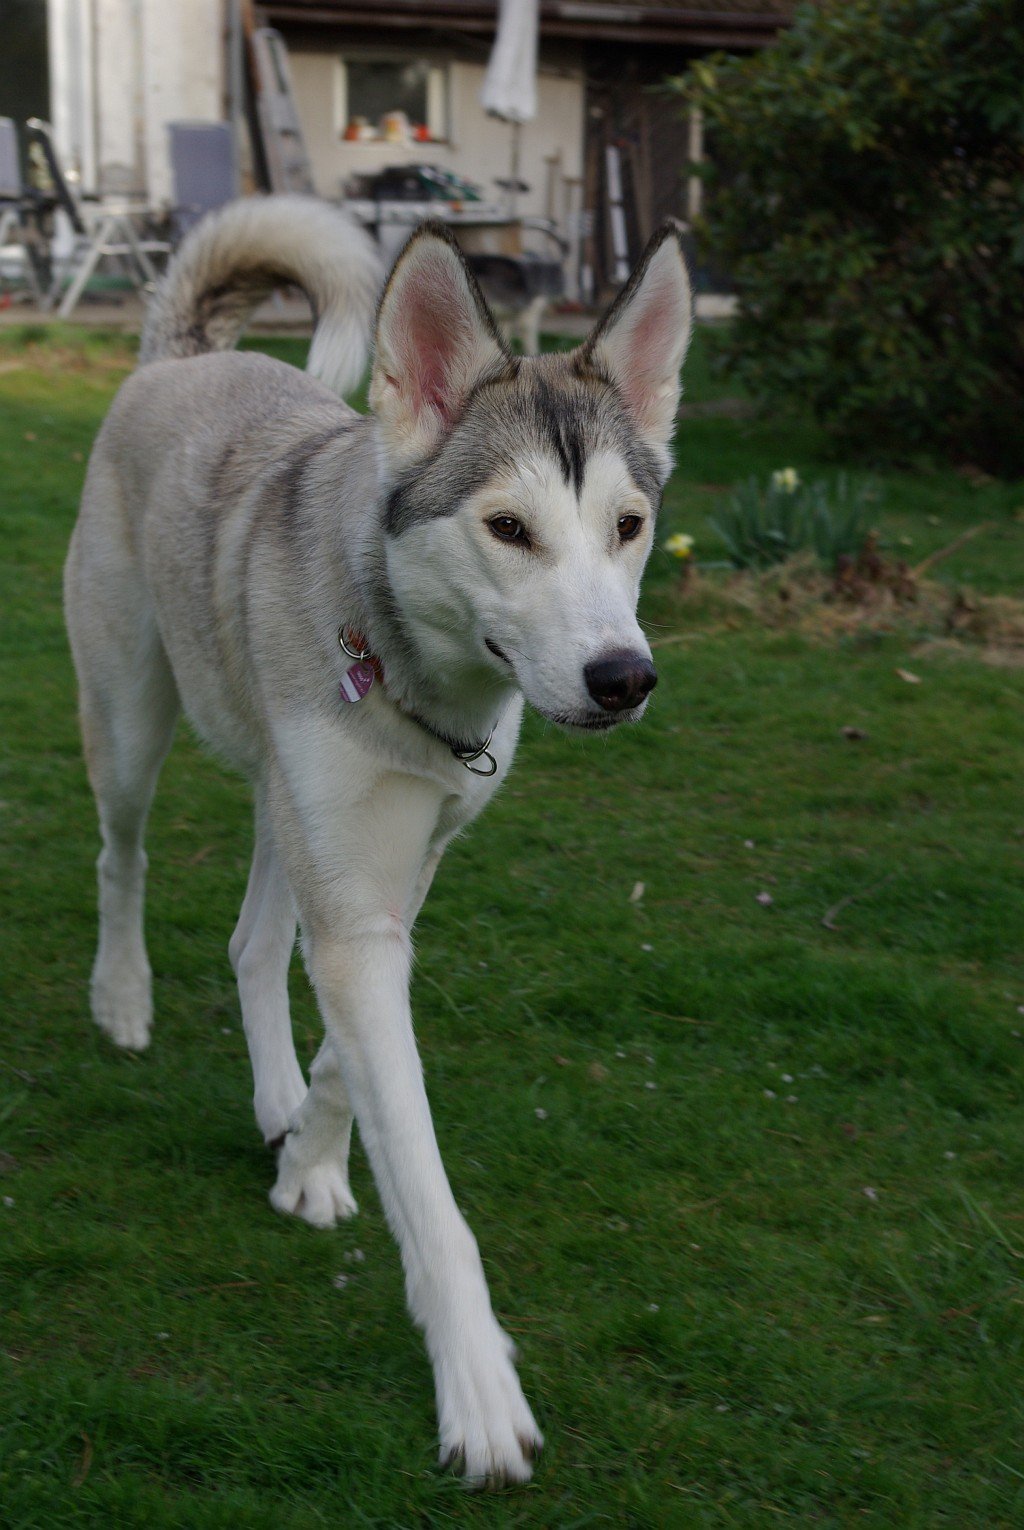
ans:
(766, 523)
(870, 208)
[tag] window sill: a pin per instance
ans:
(396, 143)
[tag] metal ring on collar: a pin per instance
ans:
(364, 654)
(466, 757)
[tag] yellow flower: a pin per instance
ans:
(680, 545)
(787, 479)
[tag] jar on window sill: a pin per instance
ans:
(359, 130)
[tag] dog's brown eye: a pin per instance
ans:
(507, 529)
(629, 526)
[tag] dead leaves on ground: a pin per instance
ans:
(874, 593)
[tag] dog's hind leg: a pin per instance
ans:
(128, 705)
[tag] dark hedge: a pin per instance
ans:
(870, 208)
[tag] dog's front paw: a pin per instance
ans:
(122, 1006)
(487, 1430)
(277, 1103)
(314, 1188)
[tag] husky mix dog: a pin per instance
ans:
(351, 609)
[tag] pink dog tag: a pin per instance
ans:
(355, 682)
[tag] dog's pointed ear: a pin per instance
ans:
(642, 340)
(435, 340)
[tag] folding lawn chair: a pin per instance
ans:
(18, 207)
(11, 189)
(204, 170)
(109, 232)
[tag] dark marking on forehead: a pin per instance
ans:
(544, 405)
(561, 430)
(644, 469)
(460, 464)
(436, 487)
(507, 371)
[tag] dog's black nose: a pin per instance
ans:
(620, 680)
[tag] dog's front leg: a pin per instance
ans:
(362, 982)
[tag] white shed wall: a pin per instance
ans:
(183, 77)
(118, 101)
(479, 146)
(120, 70)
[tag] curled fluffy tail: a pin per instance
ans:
(234, 259)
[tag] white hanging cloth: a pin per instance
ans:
(510, 85)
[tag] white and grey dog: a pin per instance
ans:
(351, 609)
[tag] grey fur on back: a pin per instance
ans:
(234, 258)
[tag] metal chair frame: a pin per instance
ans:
(19, 206)
(109, 231)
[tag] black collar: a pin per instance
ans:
(355, 645)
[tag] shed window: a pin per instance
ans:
(373, 89)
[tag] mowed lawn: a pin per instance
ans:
(749, 1190)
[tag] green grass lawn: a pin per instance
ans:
(749, 1190)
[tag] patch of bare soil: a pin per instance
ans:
(874, 593)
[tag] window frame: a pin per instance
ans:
(438, 89)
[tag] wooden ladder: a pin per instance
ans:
(285, 155)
